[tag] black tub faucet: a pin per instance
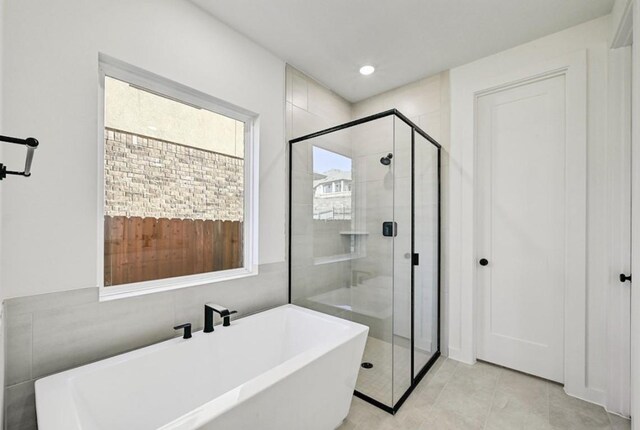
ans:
(209, 309)
(187, 330)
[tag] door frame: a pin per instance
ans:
(463, 262)
(624, 128)
(635, 217)
(618, 353)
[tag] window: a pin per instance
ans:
(178, 187)
(332, 185)
(332, 215)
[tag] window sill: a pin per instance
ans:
(149, 287)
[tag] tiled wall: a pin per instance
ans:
(311, 107)
(49, 333)
(427, 103)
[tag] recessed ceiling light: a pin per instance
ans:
(367, 70)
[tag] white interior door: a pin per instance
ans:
(520, 133)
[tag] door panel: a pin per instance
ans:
(521, 216)
(402, 259)
(426, 245)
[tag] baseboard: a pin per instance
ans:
(617, 414)
(456, 354)
(591, 395)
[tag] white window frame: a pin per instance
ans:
(117, 69)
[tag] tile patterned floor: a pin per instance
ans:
(388, 368)
(455, 396)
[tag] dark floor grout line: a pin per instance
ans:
(493, 398)
(549, 404)
(446, 383)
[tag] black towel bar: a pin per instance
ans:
(31, 145)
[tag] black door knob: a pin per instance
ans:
(483, 261)
(624, 278)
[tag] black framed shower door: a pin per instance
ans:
(416, 374)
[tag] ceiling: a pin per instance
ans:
(404, 39)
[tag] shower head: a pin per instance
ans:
(386, 160)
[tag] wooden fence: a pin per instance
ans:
(142, 249)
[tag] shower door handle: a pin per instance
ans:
(390, 229)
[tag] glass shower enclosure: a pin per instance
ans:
(364, 243)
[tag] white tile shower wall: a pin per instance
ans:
(49, 221)
(427, 103)
(53, 332)
(312, 107)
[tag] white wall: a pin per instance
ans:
(49, 221)
(2, 319)
(51, 80)
(591, 36)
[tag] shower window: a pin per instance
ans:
(177, 185)
(332, 203)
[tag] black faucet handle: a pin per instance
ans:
(187, 330)
(226, 318)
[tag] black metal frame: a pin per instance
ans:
(414, 129)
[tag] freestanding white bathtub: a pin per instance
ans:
(285, 368)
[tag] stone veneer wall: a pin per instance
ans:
(146, 177)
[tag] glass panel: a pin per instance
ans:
(345, 190)
(173, 187)
(402, 261)
(426, 244)
(341, 263)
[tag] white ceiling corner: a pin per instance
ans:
(404, 39)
